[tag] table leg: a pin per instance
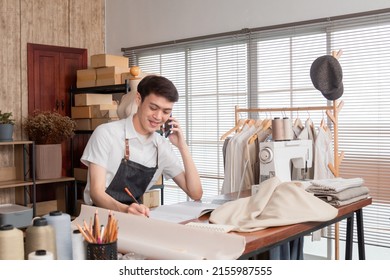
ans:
(349, 238)
(360, 234)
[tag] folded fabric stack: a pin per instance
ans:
(339, 191)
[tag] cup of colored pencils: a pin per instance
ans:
(101, 240)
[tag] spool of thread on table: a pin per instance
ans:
(40, 236)
(62, 226)
(11, 243)
(287, 129)
(277, 129)
(41, 255)
(79, 246)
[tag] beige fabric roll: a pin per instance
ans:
(275, 204)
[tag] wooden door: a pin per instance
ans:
(51, 71)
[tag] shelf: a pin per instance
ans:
(56, 180)
(15, 184)
(16, 142)
(103, 89)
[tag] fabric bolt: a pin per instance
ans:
(106, 149)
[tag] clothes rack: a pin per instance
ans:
(332, 111)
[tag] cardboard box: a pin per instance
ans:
(83, 124)
(86, 99)
(86, 74)
(96, 122)
(151, 198)
(107, 60)
(8, 173)
(84, 84)
(110, 75)
(80, 174)
(86, 78)
(91, 124)
(94, 111)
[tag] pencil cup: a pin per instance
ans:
(106, 251)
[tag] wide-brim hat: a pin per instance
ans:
(327, 76)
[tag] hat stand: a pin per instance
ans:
(335, 169)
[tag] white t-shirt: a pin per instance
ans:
(106, 148)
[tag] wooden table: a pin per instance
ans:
(266, 239)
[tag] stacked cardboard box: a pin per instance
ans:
(105, 69)
(92, 109)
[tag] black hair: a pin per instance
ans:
(158, 85)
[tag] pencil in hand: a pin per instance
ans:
(135, 200)
(131, 195)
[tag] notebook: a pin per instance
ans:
(211, 227)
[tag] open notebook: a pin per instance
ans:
(183, 211)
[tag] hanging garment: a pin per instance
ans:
(236, 162)
(323, 151)
(308, 133)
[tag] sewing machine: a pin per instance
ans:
(283, 158)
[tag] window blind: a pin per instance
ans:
(270, 67)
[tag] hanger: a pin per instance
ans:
(248, 122)
(323, 123)
(235, 128)
(265, 124)
(298, 123)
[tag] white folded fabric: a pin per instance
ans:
(343, 195)
(338, 203)
(335, 184)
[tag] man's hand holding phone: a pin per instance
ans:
(167, 127)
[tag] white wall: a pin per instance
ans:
(139, 22)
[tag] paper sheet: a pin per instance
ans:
(157, 239)
(181, 212)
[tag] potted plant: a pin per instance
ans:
(48, 130)
(6, 126)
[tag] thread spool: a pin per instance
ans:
(40, 236)
(11, 243)
(277, 129)
(287, 129)
(62, 226)
(79, 246)
(41, 255)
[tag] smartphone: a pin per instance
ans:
(167, 128)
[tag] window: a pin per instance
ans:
(270, 68)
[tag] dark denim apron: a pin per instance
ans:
(136, 177)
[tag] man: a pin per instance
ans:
(130, 154)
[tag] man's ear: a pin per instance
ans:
(138, 99)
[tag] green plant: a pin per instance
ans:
(48, 127)
(6, 118)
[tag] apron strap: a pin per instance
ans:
(127, 150)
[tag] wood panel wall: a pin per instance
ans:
(68, 23)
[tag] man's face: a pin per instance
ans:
(152, 113)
